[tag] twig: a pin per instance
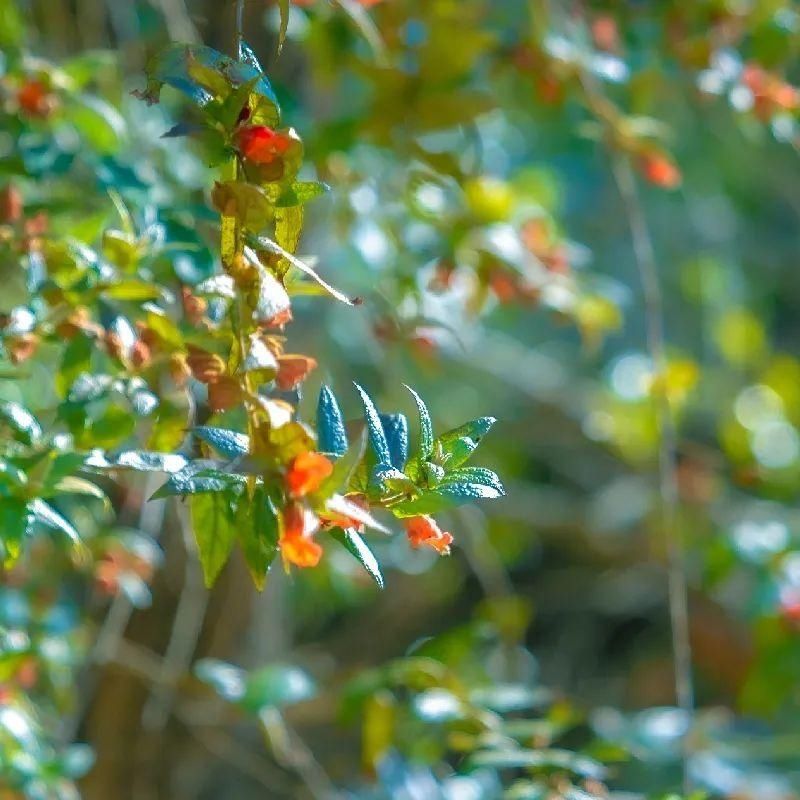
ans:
(186, 627)
(647, 267)
(179, 24)
(362, 20)
(292, 752)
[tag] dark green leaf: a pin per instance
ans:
(395, 427)
(208, 482)
(377, 438)
(330, 424)
(474, 475)
(425, 428)
(257, 531)
(230, 444)
(48, 516)
(144, 461)
(14, 517)
(443, 497)
(25, 426)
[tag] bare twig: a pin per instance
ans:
(292, 752)
(179, 24)
(647, 267)
(186, 628)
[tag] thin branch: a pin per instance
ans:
(291, 751)
(186, 628)
(647, 267)
(178, 21)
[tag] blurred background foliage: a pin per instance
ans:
(486, 162)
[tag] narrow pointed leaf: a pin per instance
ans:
(425, 428)
(25, 426)
(230, 444)
(356, 545)
(265, 243)
(330, 424)
(377, 438)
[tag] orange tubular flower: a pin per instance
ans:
(261, 144)
(659, 170)
(307, 472)
(424, 530)
(296, 547)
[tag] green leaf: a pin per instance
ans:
(206, 482)
(288, 227)
(356, 545)
(230, 444)
(146, 461)
(284, 6)
(257, 530)
(48, 516)
(97, 122)
(474, 475)
(275, 686)
(71, 484)
(75, 361)
(300, 192)
(11, 476)
(25, 426)
(131, 289)
(445, 496)
(395, 427)
(425, 448)
(330, 424)
(246, 202)
(377, 437)
(189, 68)
(14, 518)
(247, 56)
(214, 531)
(456, 446)
(514, 758)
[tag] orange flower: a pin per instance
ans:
(262, 145)
(11, 205)
(307, 472)
(296, 547)
(660, 170)
(34, 99)
(21, 348)
(193, 307)
(424, 530)
(292, 369)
